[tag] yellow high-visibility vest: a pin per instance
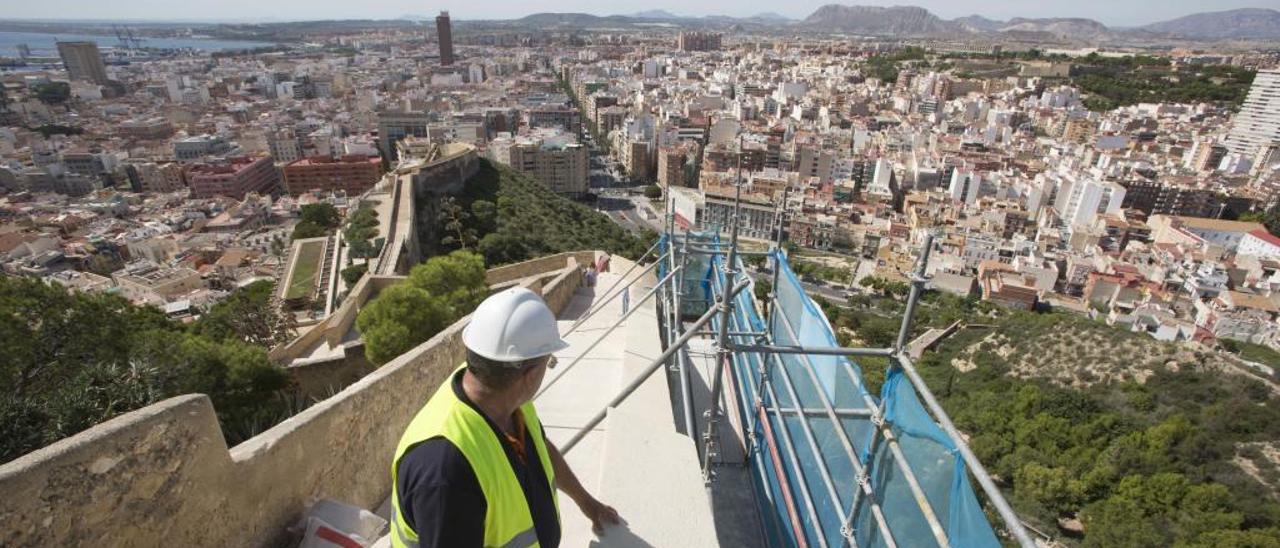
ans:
(507, 520)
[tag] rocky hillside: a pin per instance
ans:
(876, 20)
(1253, 23)
(1064, 27)
(978, 23)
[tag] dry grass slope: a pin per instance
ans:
(1074, 352)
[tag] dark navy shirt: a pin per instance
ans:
(441, 499)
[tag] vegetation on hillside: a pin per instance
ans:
(1252, 352)
(1121, 81)
(509, 217)
(1104, 437)
(1112, 82)
(436, 294)
(361, 232)
(1270, 219)
(885, 66)
(73, 360)
(809, 271)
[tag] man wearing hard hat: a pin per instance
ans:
(474, 467)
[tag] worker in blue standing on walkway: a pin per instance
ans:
(474, 467)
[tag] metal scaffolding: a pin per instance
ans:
(832, 464)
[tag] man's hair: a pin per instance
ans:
(494, 374)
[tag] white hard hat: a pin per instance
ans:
(512, 326)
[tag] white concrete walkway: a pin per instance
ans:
(635, 460)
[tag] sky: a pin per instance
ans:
(1110, 12)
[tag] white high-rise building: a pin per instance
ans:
(1081, 200)
(964, 186)
(1258, 123)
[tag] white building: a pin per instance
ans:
(1080, 201)
(1258, 123)
(1259, 243)
(964, 186)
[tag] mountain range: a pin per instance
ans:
(1246, 23)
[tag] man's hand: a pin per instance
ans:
(599, 513)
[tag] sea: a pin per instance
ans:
(44, 44)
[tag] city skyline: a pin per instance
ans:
(243, 11)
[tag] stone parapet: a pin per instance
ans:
(163, 475)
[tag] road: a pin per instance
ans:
(836, 295)
(619, 198)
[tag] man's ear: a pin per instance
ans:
(527, 372)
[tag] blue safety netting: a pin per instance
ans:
(804, 463)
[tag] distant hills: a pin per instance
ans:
(914, 21)
(1242, 23)
(898, 20)
(1248, 23)
(586, 20)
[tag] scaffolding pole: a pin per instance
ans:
(766, 399)
(686, 384)
(883, 430)
(917, 287)
(975, 466)
(812, 351)
(795, 463)
(876, 511)
(724, 355)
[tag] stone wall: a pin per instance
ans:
(445, 176)
(320, 378)
(537, 266)
(163, 475)
(558, 291)
(333, 328)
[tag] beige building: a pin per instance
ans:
(150, 284)
(156, 177)
(555, 159)
(1079, 130)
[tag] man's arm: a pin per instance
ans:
(598, 512)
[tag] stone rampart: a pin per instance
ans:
(540, 265)
(163, 475)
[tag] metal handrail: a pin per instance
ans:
(597, 307)
(644, 375)
(565, 370)
(975, 466)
